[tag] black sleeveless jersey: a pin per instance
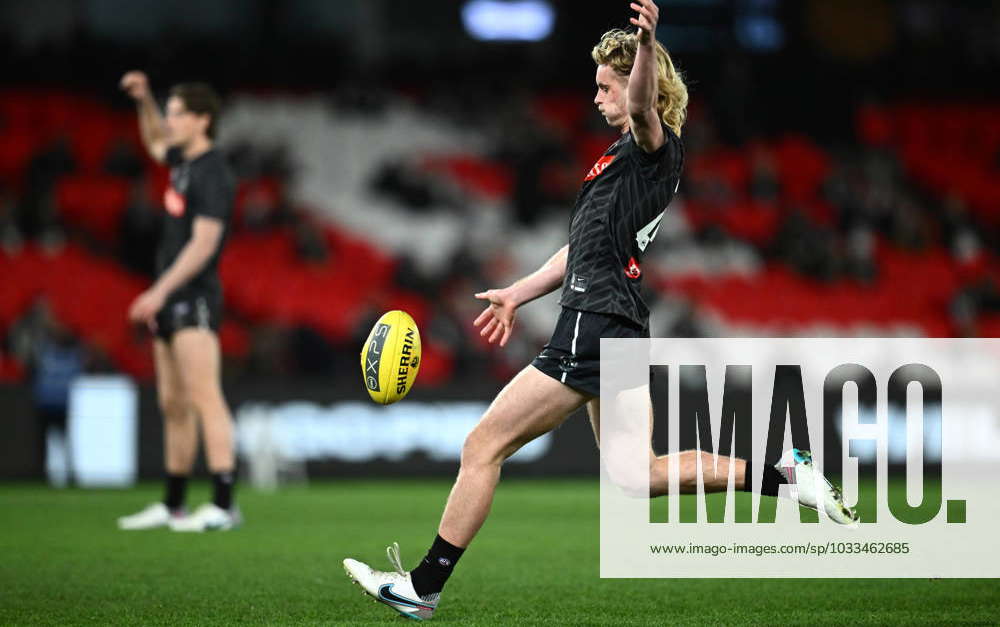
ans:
(617, 214)
(204, 186)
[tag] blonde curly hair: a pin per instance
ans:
(617, 49)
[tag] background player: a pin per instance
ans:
(617, 214)
(183, 307)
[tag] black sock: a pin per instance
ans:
(176, 492)
(433, 571)
(222, 490)
(769, 482)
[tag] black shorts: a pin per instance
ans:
(198, 310)
(573, 355)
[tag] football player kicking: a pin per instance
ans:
(617, 214)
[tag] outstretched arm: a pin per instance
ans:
(541, 281)
(498, 318)
(151, 128)
(641, 93)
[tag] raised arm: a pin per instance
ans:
(151, 126)
(641, 93)
(498, 317)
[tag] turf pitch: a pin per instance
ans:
(536, 562)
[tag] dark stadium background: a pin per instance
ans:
(841, 179)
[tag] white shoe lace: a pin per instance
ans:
(392, 552)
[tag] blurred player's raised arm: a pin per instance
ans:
(641, 94)
(151, 125)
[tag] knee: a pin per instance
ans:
(205, 399)
(480, 452)
(174, 406)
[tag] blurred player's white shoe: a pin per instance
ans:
(153, 516)
(208, 517)
(393, 589)
(813, 489)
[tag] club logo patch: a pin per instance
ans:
(632, 270)
(174, 202)
(599, 167)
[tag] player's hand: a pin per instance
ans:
(497, 319)
(649, 15)
(145, 307)
(135, 84)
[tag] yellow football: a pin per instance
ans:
(390, 357)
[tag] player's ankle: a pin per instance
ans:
(176, 492)
(222, 490)
(433, 571)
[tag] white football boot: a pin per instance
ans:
(153, 516)
(393, 589)
(813, 488)
(208, 517)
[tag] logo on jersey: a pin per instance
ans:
(174, 202)
(648, 232)
(599, 167)
(632, 270)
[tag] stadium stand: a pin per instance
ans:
(893, 232)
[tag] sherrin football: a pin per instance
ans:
(390, 357)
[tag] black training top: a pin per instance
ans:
(617, 214)
(204, 186)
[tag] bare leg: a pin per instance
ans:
(180, 429)
(197, 354)
(530, 405)
(715, 478)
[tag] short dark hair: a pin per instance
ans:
(200, 98)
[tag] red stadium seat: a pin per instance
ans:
(565, 112)
(803, 167)
(754, 222)
(437, 363)
(874, 125)
(234, 339)
(11, 370)
(266, 190)
(17, 146)
(95, 203)
(989, 326)
(474, 174)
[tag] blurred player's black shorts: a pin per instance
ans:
(573, 355)
(201, 310)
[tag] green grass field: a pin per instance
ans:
(536, 562)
